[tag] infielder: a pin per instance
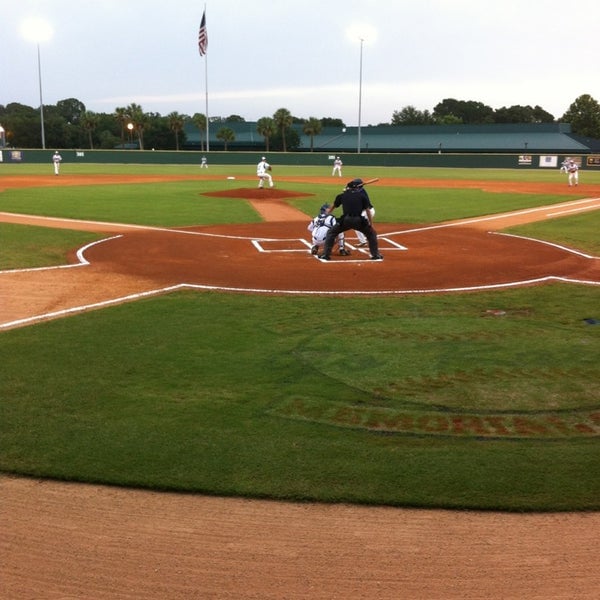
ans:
(320, 226)
(262, 172)
(337, 166)
(573, 170)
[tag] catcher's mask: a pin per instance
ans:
(324, 208)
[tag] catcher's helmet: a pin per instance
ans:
(324, 208)
(355, 183)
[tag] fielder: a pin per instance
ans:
(337, 166)
(564, 165)
(573, 173)
(262, 172)
(56, 160)
(320, 226)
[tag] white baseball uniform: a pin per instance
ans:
(573, 173)
(262, 172)
(362, 238)
(56, 159)
(337, 166)
(319, 227)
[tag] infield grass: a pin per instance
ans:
(233, 394)
(417, 401)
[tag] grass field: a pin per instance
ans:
(421, 401)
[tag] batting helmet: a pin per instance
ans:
(355, 183)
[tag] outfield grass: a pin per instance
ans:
(248, 172)
(418, 401)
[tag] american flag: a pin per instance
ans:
(202, 35)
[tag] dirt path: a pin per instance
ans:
(79, 541)
(67, 541)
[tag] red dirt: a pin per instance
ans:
(75, 541)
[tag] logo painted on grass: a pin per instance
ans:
(546, 425)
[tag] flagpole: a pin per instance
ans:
(206, 100)
(203, 47)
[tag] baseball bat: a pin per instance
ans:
(371, 181)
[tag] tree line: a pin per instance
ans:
(68, 124)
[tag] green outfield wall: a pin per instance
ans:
(450, 160)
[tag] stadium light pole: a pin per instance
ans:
(365, 33)
(38, 31)
(362, 40)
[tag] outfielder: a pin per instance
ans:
(320, 226)
(262, 172)
(56, 160)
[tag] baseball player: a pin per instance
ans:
(573, 170)
(320, 226)
(362, 238)
(353, 201)
(262, 172)
(56, 160)
(564, 165)
(337, 166)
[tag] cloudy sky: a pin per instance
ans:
(303, 56)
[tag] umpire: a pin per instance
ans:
(353, 200)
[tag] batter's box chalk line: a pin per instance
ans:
(284, 245)
(302, 245)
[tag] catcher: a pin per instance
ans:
(320, 226)
(262, 172)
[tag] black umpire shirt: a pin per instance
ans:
(353, 202)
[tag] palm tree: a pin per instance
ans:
(89, 121)
(122, 117)
(227, 135)
(200, 121)
(312, 127)
(283, 119)
(139, 120)
(265, 126)
(176, 122)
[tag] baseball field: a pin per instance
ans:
(167, 331)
